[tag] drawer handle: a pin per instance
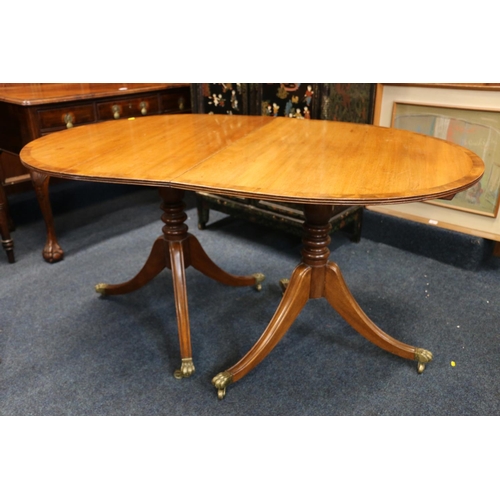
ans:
(68, 120)
(181, 103)
(144, 107)
(116, 111)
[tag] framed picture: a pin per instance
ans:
(474, 103)
(475, 129)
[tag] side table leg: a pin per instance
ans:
(7, 242)
(52, 252)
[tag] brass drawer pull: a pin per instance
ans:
(144, 107)
(116, 111)
(68, 119)
(181, 103)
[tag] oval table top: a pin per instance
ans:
(278, 159)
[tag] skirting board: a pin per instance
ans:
(482, 227)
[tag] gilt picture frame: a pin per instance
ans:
(475, 96)
(475, 129)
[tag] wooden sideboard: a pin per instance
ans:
(29, 111)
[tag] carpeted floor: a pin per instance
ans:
(67, 351)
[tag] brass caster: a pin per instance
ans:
(186, 369)
(101, 288)
(259, 278)
(422, 357)
(283, 284)
(220, 382)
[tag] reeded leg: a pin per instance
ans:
(52, 252)
(340, 298)
(185, 250)
(294, 299)
(153, 266)
(181, 307)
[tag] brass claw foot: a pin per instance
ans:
(186, 369)
(422, 356)
(220, 382)
(283, 284)
(101, 288)
(259, 278)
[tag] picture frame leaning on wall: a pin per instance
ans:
(478, 97)
(475, 129)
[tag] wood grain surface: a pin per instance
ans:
(24, 94)
(280, 159)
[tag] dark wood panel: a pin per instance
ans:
(28, 111)
(67, 116)
(176, 101)
(127, 108)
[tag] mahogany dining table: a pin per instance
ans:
(315, 163)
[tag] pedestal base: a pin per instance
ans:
(177, 250)
(316, 277)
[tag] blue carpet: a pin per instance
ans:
(66, 351)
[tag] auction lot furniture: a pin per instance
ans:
(262, 158)
(29, 111)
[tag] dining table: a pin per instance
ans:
(317, 164)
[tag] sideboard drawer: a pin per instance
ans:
(65, 117)
(127, 108)
(176, 101)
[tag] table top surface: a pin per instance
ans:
(24, 94)
(278, 159)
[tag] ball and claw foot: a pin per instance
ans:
(220, 382)
(52, 253)
(186, 369)
(422, 357)
(101, 288)
(259, 278)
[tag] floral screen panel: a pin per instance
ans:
(347, 102)
(293, 100)
(225, 98)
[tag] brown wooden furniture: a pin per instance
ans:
(260, 158)
(7, 241)
(29, 111)
(352, 102)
